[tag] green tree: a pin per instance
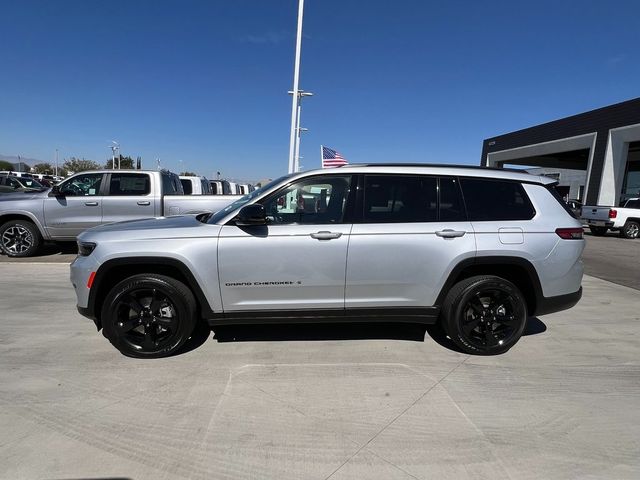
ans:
(76, 165)
(188, 174)
(43, 168)
(125, 162)
(4, 165)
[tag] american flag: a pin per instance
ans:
(331, 158)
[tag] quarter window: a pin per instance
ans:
(494, 200)
(315, 200)
(129, 184)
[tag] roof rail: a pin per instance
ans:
(439, 165)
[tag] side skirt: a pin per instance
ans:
(426, 315)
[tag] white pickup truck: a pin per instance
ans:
(625, 219)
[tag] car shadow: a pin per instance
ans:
(320, 331)
(413, 332)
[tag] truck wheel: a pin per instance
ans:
(598, 231)
(149, 316)
(631, 229)
(19, 238)
(484, 315)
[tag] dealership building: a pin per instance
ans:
(594, 155)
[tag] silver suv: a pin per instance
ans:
(474, 251)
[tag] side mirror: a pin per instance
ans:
(55, 191)
(250, 215)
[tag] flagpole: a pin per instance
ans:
(295, 101)
(321, 157)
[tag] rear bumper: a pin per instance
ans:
(87, 312)
(546, 305)
(598, 223)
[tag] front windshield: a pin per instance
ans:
(220, 214)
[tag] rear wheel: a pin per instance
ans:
(598, 231)
(19, 238)
(631, 229)
(149, 316)
(484, 315)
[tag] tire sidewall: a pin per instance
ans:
(33, 231)
(185, 312)
(455, 314)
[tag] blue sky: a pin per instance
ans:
(205, 82)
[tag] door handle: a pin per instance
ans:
(448, 233)
(325, 235)
(144, 203)
(91, 204)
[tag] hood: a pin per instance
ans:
(159, 223)
(4, 197)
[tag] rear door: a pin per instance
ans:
(77, 208)
(129, 197)
(412, 232)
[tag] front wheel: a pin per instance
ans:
(149, 316)
(631, 229)
(484, 315)
(19, 238)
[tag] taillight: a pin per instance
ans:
(613, 213)
(570, 233)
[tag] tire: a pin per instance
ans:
(598, 231)
(149, 316)
(631, 229)
(19, 238)
(484, 315)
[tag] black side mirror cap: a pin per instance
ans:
(250, 215)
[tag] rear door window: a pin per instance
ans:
(129, 184)
(400, 199)
(495, 200)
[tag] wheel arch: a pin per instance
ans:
(113, 271)
(28, 216)
(517, 270)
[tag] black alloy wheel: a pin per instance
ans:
(484, 315)
(149, 316)
(19, 238)
(631, 229)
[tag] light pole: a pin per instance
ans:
(298, 130)
(56, 162)
(115, 148)
(296, 99)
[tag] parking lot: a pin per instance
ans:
(317, 402)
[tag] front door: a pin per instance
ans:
(297, 262)
(78, 207)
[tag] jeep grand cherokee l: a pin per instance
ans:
(474, 250)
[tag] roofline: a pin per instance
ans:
(435, 165)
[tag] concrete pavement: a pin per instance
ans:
(345, 402)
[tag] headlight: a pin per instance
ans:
(85, 248)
